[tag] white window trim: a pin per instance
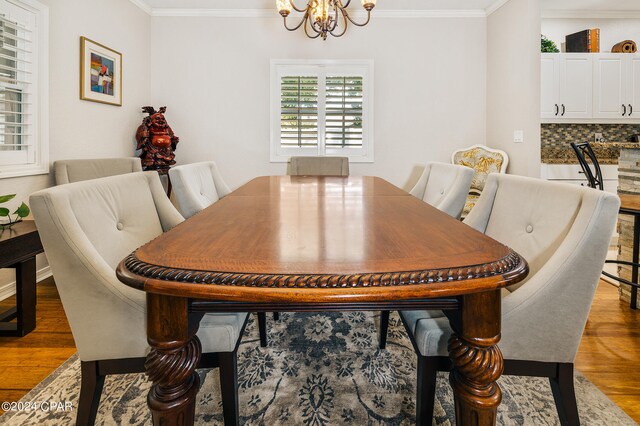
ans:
(280, 67)
(40, 95)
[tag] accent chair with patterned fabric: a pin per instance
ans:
(484, 161)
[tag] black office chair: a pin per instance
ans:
(594, 179)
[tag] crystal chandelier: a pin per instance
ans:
(323, 17)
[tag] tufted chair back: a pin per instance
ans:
(197, 186)
(68, 171)
(444, 186)
(319, 166)
(564, 232)
(87, 228)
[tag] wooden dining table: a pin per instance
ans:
(296, 244)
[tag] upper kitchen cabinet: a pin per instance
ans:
(567, 81)
(591, 87)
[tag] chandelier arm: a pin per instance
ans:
(344, 18)
(293, 5)
(346, 5)
(337, 11)
(304, 18)
(306, 31)
(354, 22)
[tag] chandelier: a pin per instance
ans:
(323, 17)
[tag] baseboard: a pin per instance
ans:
(9, 289)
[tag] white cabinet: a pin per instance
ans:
(610, 80)
(572, 174)
(566, 82)
(590, 87)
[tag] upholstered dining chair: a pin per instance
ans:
(484, 161)
(87, 228)
(197, 186)
(445, 187)
(67, 171)
(563, 231)
(319, 166)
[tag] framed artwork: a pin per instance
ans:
(100, 73)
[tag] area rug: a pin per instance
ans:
(319, 369)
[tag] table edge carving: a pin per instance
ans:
(510, 266)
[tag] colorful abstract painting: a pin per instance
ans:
(102, 74)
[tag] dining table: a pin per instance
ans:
(309, 243)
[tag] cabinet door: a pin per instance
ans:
(576, 86)
(610, 75)
(634, 87)
(550, 84)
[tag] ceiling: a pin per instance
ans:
(563, 6)
(270, 4)
(591, 5)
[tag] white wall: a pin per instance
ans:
(513, 83)
(612, 31)
(82, 129)
(213, 74)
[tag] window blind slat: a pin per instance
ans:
(298, 111)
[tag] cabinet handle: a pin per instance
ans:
(624, 110)
(563, 109)
(557, 109)
(630, 110)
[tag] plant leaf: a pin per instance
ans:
(22, 211)
(4, 212)
(5, 198)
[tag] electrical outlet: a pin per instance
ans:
(599, 137)
(518, 136)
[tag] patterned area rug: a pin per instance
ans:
(319, 369)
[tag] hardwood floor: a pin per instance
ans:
(609, 353)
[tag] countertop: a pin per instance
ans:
(607, 152)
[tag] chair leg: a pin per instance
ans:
(426, 390)
(90, 391)
(262, 327)
(229, 388)
(276, 316)
(564, 395)
(384, 327)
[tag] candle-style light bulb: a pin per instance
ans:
(284, 7)
(368, 4)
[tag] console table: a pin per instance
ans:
(19, 246)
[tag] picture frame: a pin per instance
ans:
(100, 73)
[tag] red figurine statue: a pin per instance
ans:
(156, 140)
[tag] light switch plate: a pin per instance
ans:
(518, 136)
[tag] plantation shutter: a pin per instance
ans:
(299, 112)
(344, 100)
(16, 81)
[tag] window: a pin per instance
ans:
(23, 88)
(322, 108)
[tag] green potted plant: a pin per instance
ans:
(548, 46)
(5, 215)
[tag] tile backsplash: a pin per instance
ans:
(557, 135)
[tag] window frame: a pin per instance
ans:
(39, 94)
(321, 68)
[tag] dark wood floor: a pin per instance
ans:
(609, 354)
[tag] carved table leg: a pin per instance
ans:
(477, 359)
(171, 363)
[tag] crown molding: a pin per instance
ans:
(495, 6)
(590, 14)
(268, 13)
(142, 5)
